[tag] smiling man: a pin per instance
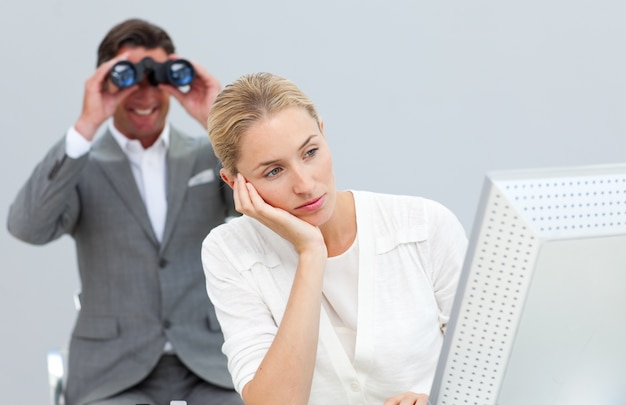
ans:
(138, 201)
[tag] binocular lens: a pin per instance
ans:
(181, 73)
(123, 74)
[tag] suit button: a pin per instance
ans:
(162, 263)
(167, 324)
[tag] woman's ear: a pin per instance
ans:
(230, 180)
(322, 128)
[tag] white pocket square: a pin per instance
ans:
(205, 176)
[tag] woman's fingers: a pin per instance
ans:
(408, 398)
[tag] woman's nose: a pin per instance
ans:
(303, 181)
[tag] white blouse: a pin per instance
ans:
(340, 295)
(410, 253)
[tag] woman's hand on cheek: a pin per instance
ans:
(249, 202)
(300, 233)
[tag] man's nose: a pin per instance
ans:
(146, 89)
(146, 82)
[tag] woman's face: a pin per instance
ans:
(287, 159)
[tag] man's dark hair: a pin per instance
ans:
(134, 32)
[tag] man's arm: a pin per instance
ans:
(47, 206)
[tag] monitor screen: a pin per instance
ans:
(540, 313)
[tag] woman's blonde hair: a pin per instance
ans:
(245, 102)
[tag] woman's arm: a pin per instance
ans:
(286, 372)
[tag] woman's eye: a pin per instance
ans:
(311, 152)
(273, 172)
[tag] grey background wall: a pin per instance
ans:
(418, 98)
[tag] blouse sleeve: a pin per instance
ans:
(246, 321)
(448, 248)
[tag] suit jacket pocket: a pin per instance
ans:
(96, 327)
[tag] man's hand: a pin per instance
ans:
(203, 90)
(100, 99)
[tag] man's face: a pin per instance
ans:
(142, 114)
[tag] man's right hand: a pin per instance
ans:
(100, 99)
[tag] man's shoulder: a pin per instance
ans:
(199, 138)
(188, 145)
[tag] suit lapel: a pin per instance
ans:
(181, 158)
(116, 168)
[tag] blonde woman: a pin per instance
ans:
(324, 296)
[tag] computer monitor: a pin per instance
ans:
(540, 313)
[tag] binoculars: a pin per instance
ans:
(177, 72)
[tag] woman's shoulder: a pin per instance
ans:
(394, 215)
(399, 204)
(237, 232)
(244, 241)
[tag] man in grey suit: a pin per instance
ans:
(138, 202)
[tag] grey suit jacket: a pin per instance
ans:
(136, 293)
